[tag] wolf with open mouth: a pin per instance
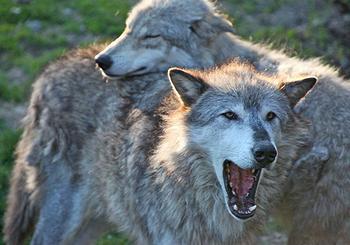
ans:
(242, 122)
(219, 145)
(181, 161)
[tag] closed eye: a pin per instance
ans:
(150, 36)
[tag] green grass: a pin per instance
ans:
(113, 239)
(252, 22)
(8, 140)
(31, 49)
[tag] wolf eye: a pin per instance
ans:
(151, 36)
(270, 116)
(230, 115)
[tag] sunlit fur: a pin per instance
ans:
(71, 105)
(143, 172)
(160, 34)
(166, 188)
(319, 178)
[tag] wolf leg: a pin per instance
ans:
(310, 164)
(321, 209)
(316, 232)
(343, 237)
(318, 154)
(63, 210)
(21, 205)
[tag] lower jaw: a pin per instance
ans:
(242, 207)
(241, 216)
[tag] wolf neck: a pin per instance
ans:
(228, 46)
(173, 142)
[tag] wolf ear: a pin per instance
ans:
(297, 89)
(186, 85)
(211, 26)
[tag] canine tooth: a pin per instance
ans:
(252, 208)
(235, 207)
(233, 192)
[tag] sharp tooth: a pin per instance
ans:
(233, 192)
(253, 171)
(235, 207)
(231, 184)
(252, 208)
(247, 194)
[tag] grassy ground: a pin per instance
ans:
(313, 28)
(34, 33)
(8, 139)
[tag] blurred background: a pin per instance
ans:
(35, 32)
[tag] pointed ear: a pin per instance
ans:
(297, 89)
(186, 85)
(211, 26)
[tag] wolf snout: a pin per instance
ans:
(103, 61)
(264, 154)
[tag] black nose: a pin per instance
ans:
(104, 61)
(265, 154)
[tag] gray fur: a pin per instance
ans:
(141, 176)
(71, 107)
(157, 37)
(327, 108)
(58, 124)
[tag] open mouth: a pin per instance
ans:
(241, 185)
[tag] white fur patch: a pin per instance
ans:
(235, 143)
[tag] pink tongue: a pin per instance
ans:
(242, 180)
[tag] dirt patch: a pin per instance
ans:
(12, 114)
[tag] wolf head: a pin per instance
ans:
(239, 118)
(163, 33)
